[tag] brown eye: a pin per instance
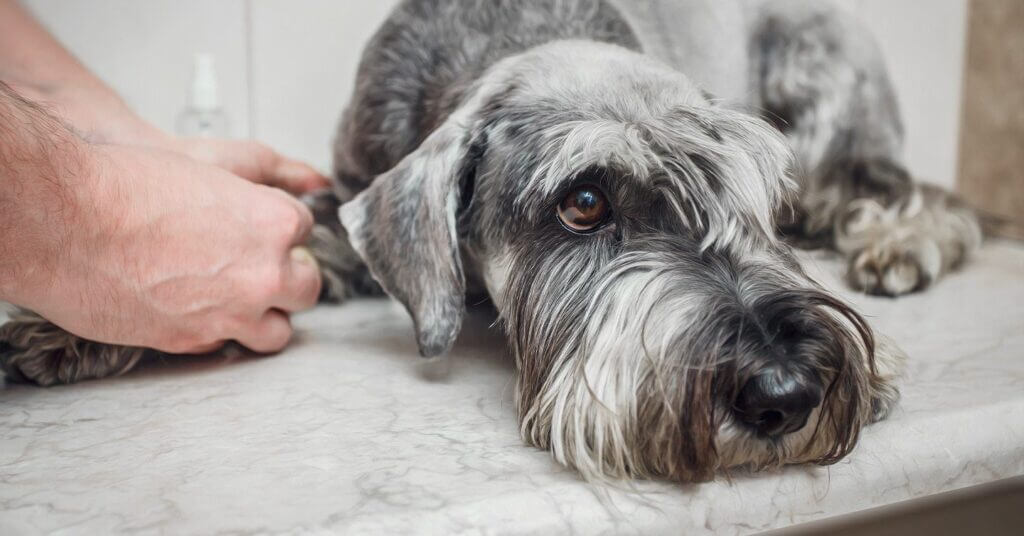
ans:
(584, 209)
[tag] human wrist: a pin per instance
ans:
(101, 116)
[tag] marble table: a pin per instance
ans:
(347, 431)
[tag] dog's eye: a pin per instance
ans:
(584, 209)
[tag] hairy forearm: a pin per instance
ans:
(42, 163)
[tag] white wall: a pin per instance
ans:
(144, 48)
(924, 42)
(286, 67)
(306, 54)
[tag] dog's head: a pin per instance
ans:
(624, 228)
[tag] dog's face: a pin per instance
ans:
(624, 228)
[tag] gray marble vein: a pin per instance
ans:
(348, 432)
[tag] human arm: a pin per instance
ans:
(35, 65)
(144, 247)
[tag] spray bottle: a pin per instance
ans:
(203, 115)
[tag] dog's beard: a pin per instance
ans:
(628, 365)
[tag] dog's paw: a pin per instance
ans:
(885, 395)
(342, 271)
(883, 404)
(905, 247)
(26, 365)
(889, 366)
(887, 272)
(895, 267)
(36, 351)
(339, 287)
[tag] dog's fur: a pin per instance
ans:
(472, 119)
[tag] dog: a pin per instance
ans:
(625, 180)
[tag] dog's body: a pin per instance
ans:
(554, 155)
(805, 66)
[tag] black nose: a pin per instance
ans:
(776, 401)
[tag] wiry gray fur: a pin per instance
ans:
(632, 342)
(472, 119)
(32, 349)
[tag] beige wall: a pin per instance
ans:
(287, 66)
(992, 141)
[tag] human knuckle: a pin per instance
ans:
(286, 222)
(266, 283)
(314, 288)
(182, 343)
(223, 326)
(281, 337)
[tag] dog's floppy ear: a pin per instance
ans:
(404, 224)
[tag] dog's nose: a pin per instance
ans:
(776, 401)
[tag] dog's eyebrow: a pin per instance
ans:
(706, 126)
(573, 146)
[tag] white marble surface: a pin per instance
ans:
(347, 432)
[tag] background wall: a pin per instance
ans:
(286, 68)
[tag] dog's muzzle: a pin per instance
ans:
(783, 355)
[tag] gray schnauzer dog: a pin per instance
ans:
(615, 176)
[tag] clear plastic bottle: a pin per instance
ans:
(203, 115)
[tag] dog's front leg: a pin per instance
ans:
(819, 77)
(33, 349)
(344, 273)
(905, 247)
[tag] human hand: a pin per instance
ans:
(102, 117)
(160, 251)
(129, 245)
(253, 161)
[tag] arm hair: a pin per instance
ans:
(41, 161)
